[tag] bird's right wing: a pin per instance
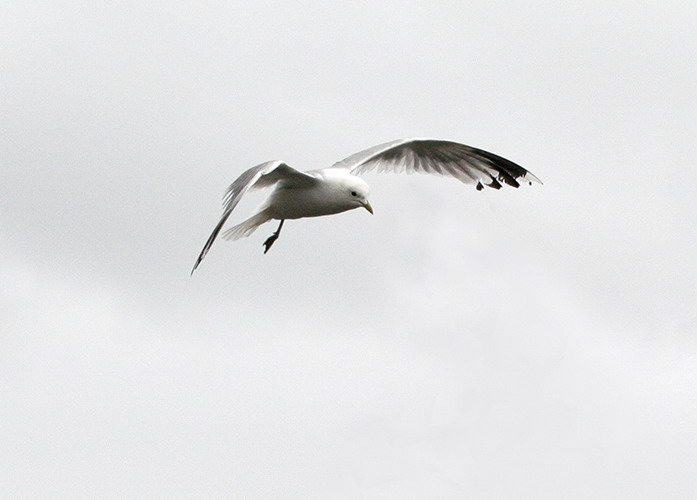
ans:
(430, 156)
(264, 175)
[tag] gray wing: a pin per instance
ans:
(264, 175)
(465, 163)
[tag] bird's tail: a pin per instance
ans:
(244, 229)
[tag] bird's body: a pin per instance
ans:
(326, 195)
(337, 189)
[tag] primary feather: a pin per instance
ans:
(431, 156)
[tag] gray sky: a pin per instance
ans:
(531, 343)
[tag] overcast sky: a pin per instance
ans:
(530, 343)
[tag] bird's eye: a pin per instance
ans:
(353, 193)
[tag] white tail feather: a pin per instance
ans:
(244, 229)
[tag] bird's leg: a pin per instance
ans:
(270, 240)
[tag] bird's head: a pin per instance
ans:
(355, 192)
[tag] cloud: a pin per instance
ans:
(522, 343)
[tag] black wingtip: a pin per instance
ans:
(198, 261)
(201, 256)
(211, 239)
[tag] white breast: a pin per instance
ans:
(324, 198)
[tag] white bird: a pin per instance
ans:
(337, 189)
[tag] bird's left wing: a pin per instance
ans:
(465, 163)
(264, 175)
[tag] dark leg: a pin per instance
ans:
(270, 240)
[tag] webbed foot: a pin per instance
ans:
(271, 239)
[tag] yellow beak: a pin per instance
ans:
(368, 207)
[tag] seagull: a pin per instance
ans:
(337, 189)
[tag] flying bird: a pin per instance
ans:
(337, 189)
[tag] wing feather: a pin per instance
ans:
(264, 175)
(465, 163)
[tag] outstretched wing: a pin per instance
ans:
(465, 163)
(264, 175)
